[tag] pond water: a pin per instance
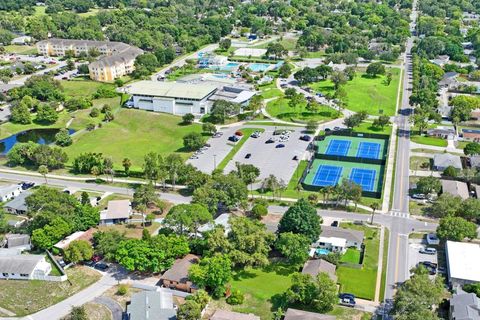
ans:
(41, 136)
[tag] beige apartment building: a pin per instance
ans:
(116, 58)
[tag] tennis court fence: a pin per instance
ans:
(350, 159)
(368, 194)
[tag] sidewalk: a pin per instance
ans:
(392, 150)
(424, 173)
(449, 148)
(378, 285)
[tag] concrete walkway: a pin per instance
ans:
(378, 286)
(425, 173)
(389, 170)
(7, 312)
(414, 145)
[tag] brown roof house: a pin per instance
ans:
(177, 276)
(314, 267)
(471, 135)
(294, 314)
(230, 315)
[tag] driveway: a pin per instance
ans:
(415, 257)
(268, 158)
(112, 305)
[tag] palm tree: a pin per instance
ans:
(323, 191)
(374, 206)
(43, 170)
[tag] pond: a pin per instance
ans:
(41, 136)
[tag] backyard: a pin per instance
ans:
(133, 134)
(361, 281)
(280, 109)
(26, 297)
(431, 141)
(366, 93)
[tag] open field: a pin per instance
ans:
(361, 282)
(432, 141)
(82, 88)
(365, 93)
(133, 134)
(26, 297)
(280, 109)
(18, 49)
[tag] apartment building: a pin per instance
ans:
(116, 58)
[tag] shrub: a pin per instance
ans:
(122, 290)
(94, 112)
(259, 211)
(236, 298)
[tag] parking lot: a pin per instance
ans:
(414, 255)
(270, 159)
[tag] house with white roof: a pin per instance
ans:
(9, 192)
(118, 211)
(332, 244)
(63, 244)
(463, 261)
(24, 267)
(443, 160)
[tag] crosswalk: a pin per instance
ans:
(399, 214)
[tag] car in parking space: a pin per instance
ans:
(428, 250)
(248, 155)
(305, 137)
(217, 134)
(233, 138)
(346, 295)
(432, 239)
(102, 266)
(270, 141)
(295, 158)
(239, 133)
(193, 157)
(280, 145)
(334, 223)
(256, 134)
(346, 302)
(327, 130)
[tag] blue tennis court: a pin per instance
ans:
(327, 175)
(364, 177)
(338, 147)
(369, 150)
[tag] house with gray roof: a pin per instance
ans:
(14, 240)
(9, 192)
(314, 267)
(230, 315)
(24, 267)
(441, 161)
(151, 305)
(354, 238)
(475, 161)
(441, 132)
(295, 314)
(455, 188)
(118, 211)
(18, 204)
(464, 306)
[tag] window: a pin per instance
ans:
(23, 275)
(5, 274)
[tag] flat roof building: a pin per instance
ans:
(463, 261)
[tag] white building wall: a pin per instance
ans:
(42, 269)
(169, 105)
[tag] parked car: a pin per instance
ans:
(90, 263)
(233, 138)
(428, 250)
(270, 141)
(347, 302)
(305, 137)
(295, 158)
(432, 239)
(419, 196)
(101, 266)
(239, 133)
(27, 185)
(319, 94)
(336, 128)
(334, 223)
(327, 130)
(346, 295)
(280, 145)
(61, 263)
(248, 155)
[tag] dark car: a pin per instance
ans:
(101, 266)
(90, 263)
(347, 302)
(295, 158)
(280, 145)
(61, 263)
(334, 223)
(327, 130)
(270, 141)
(305, 137)
(346, 295)
(27, 185)
(248, 155)
(233, 138)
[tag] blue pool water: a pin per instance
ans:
(219, 75)
(41, 136)
(322, 251)
(231, 66)
(258, 67)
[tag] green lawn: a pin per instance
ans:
(316, 54)
(237, 146)
(351, 256)
(18, 49)
(288, 43)
(432, 141)
(82, 87)
(280, 109)
(420, 163)
(133, 134)
(271, 93)
(361, 282)
(26, 297)
(367, 127)
(9, 128)
(365, 93)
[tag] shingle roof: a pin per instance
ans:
(443, 160)
(179, 271)
(347, 234)
(465, 306)
(294, 314)
(16, 240)
(18, 203)
(455, 188)
(314, 267)
(151, 305)
(171, 89)
(230, 315)
(22, 264)
(117, 209)
(9, 189)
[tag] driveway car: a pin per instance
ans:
(280, 145)
(305, 138)
(248, 155)
(101, 266)
(428, 250)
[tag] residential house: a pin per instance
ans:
(14, 240)
(441, 161)
(354, 238)
(475, 161)
(177, 276)
(9, 192)
(441, 132)
(15, 223)
(221, 220)
(151, 305)
(295, 314)
(118, 211)
(455, 188)
(230, 315)
(18, 204)
(314, 267)
(332, 244)
(441, 60)
(463, 260)
(475, 114)
(471, 135)
(24, 267)
(464, 306)
(79, 235)
(449, 80)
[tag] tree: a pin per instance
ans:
(446, 205)
(247, 172)
(276, 49)
(352, 121)
(381, 121)
(46, 113)
(21, 112)
(209, 128)
(188, 118)
(388, 79)
(190, 310)
(193, 141)
(470, 209)
(293, 246)
(187, 218)
(106, 243)
(212, 274)
(350, 72)
(374, 206)
(450, 171)
(108, 116)
(173, 165)
(258, 211)
(63, 138)
(312, 126)
(78, 250)
(126, 163)
(375, 69)
(154, 167)
(285, 70)
(338, 78)
(429, 185)
(225, 44)
(43, 170)
(221, 109)
(78, 313)
(456, 229)
(70, 65)
(472, 148)
(85, 198)
(301, 218)
(145, 195)
(319, 292)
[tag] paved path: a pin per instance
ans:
(425, 173)
(112, 305)
(378, 286)
(414, 145)
(7, 312)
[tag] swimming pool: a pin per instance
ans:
(231, 66)
(258, 67)
(320, 251)
(220, 75)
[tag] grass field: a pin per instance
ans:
(351, 256)
(288, 43)
(367, 127)
(26, 297)
(133, 134)
(361, 282)
(271, 93)
(280, 109)
(82, 88)
(431, 141)
(369, 94)
(18, 49)
(420, 163)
